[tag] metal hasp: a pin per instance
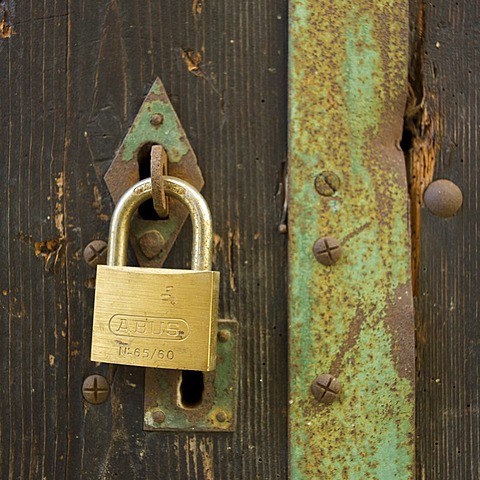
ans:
(155, 124)
(352, 320)
(164, 408)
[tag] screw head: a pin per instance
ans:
(156, 119)
(95, 389)
(221, 416)
(158, 416)
(95, 253)
(327, 250)
(223, 335)
(325, 388)
(327, 183)
(151, 243)
(443, 198)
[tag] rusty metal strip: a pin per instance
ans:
(353, 319)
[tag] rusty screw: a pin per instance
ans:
(151, 243)
(221, 416)
(327, 250)
(95, 389)
(158, 416)
(95, 253)
(443, 198)
(325, 388)
(223, 336)
(156, 119)
(327, 183)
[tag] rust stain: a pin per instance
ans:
(402, 333)
(353, 320)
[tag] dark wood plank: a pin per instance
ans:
(34, 354)
(73, 77)
(448, 338)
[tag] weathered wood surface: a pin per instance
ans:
(72, 77)
(445, 72)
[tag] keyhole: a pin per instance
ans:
(191, 389)
(146, 209)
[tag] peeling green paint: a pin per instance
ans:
(171, 136)
(354, 320)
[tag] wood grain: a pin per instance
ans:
(448, 337)
(72, 78)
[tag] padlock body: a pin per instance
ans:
(155, 317)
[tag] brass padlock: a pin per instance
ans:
(156, 317)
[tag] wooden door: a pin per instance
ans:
(443, 133)
(73, 76)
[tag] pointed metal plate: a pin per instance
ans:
(155, 124)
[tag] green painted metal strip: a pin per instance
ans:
(347, 73)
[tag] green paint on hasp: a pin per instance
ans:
(347, 75)
(171, 136)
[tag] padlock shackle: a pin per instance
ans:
(174, 187)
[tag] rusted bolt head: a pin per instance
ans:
(223, 335)
(95, 253)
(158, 416)
(327, 250)
(327, 183)
(156, 119)
(325, 388)
(443, 198)
(151, 243)
(221, 416)
(95, 389)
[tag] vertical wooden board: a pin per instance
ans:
(448, 338)
(73, 78)
(33, 317)
(354, 320)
